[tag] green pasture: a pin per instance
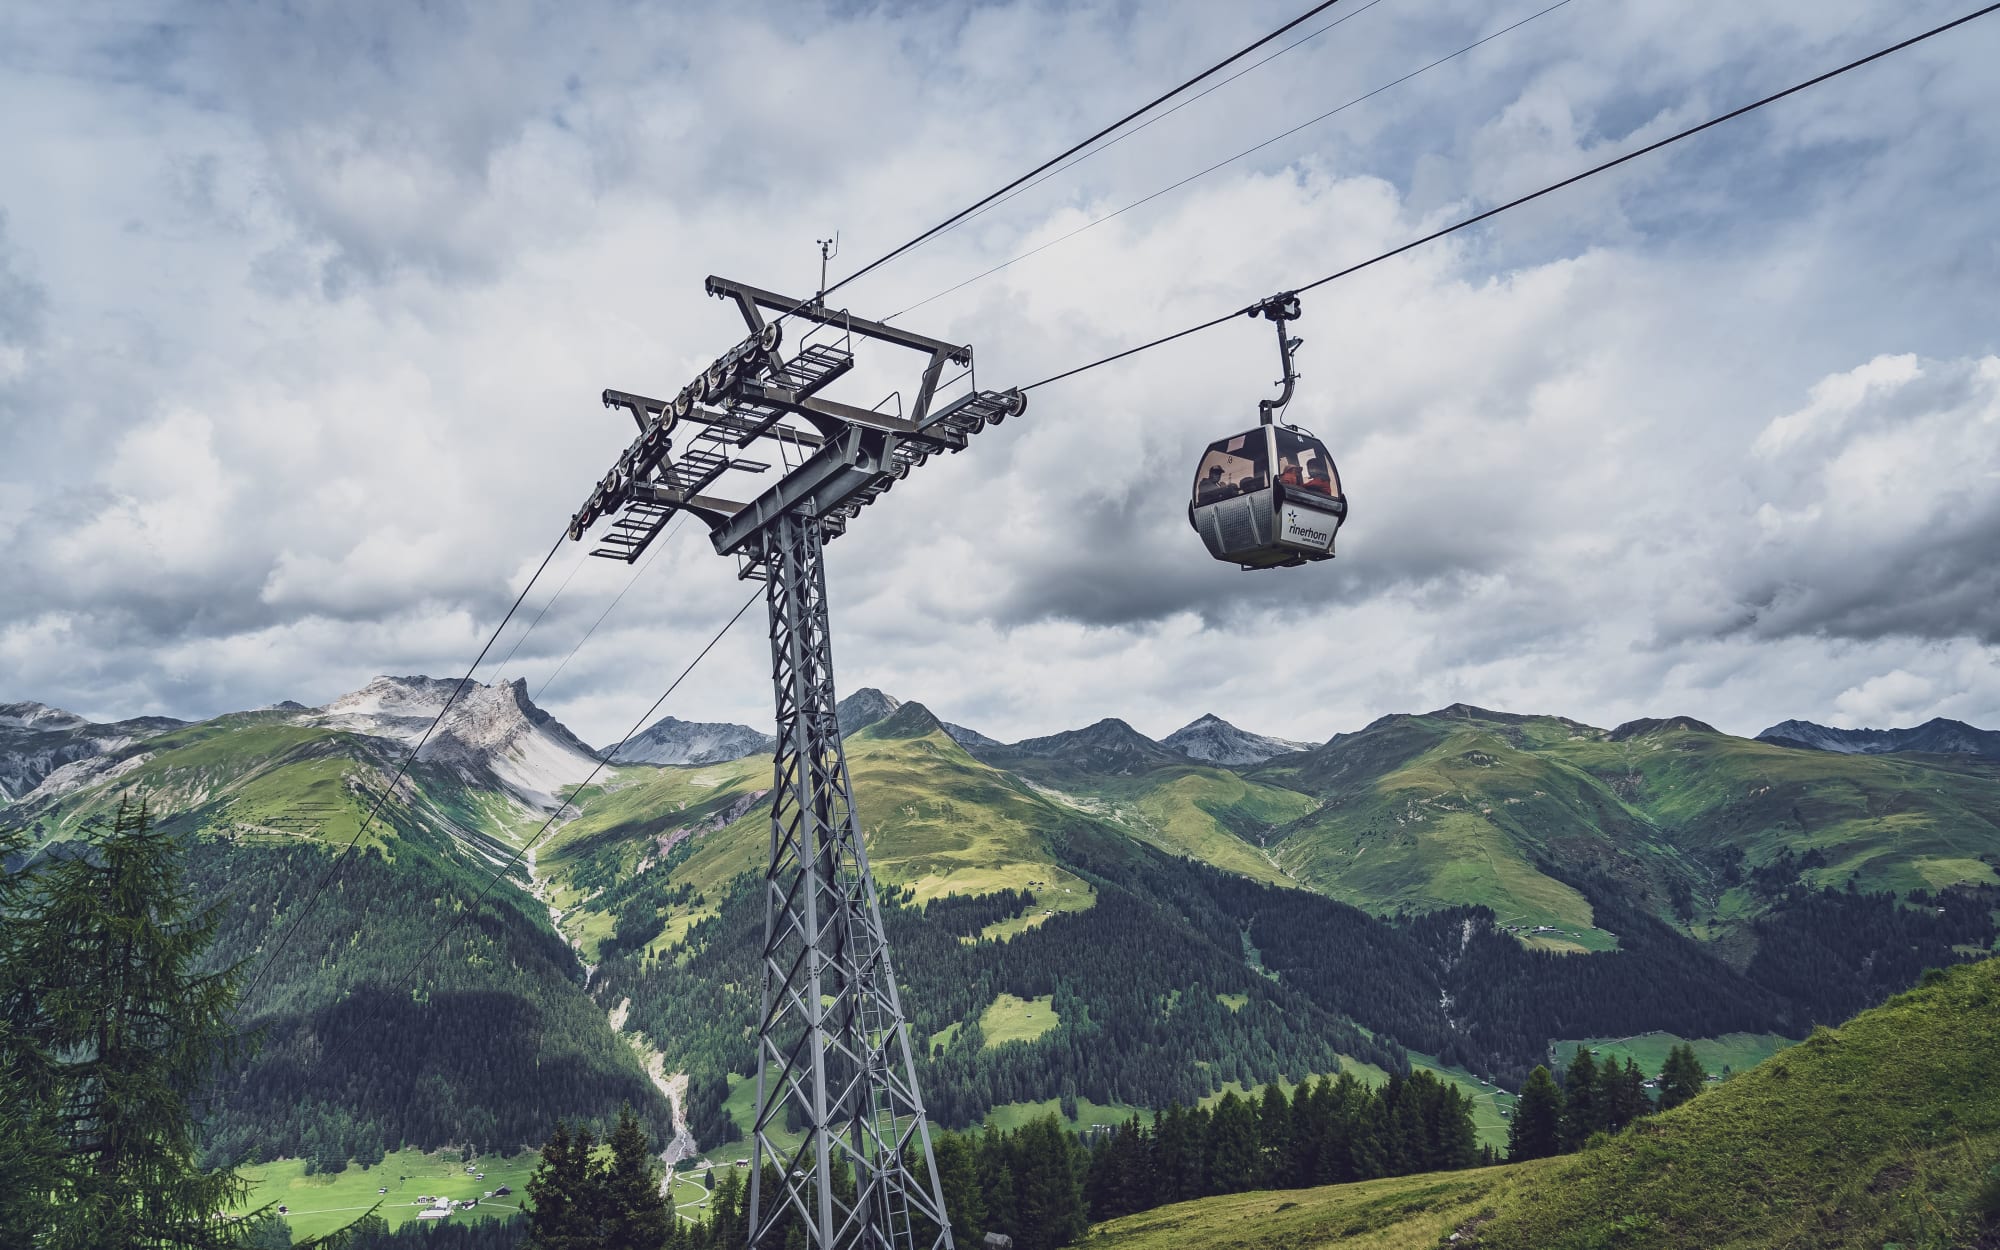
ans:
(321, 1203)
(1736, 1052)
(1010, 1019)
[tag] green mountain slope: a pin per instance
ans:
(1884, 1132)
(1467, 806)
(487, 1046)
(1089, 915)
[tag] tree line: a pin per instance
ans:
(1595, 1098)
(1040, 1184)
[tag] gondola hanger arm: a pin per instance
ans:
(1279, 308)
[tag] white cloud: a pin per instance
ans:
(303, 314)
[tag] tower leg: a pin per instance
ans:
(833, 1051)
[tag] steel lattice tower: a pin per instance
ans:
(833, 1050)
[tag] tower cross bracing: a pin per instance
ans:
(834, 1067)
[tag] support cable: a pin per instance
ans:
(1230, 160)
(630, 582)
(576, 568)
(548, 824)
(1063, 155)
(340, 860)
(1162, 115)
(1476, 218)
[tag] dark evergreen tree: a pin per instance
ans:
(28, 1140)
(958, 1178)
(728, 1223)
(1274, 1136)
(566, 1193)
(1582, 1115)
(1681, 1077)
(1621, 1094)
(636, 1215)
(1049, 1206)
(116, 1028)
(1233, 1163)
(1536, 1132)
(996, 1182)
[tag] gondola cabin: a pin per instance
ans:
(1267, 498)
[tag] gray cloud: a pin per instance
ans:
(303, 315)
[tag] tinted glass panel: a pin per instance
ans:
(1231, 467)
(1303, 462)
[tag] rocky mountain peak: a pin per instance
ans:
(1214, 740)
(1937, 736)
(37, 741)
(670, 740)
(1109, 747)
(968, 738)
(494, 729)
(38, 716)
(863, 708)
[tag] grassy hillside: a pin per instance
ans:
(1510, 812)
(1884, 1132)
(1897, 822)
(499, 1038)
(1469, 807)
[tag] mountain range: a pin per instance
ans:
(1934, 737)
(1091, 915)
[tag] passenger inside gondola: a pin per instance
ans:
(1288, 472)
(1232, 467)
(1318, 477)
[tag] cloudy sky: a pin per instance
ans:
(304, 310)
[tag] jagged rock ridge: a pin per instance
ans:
(863, 708)
(670, 740)
(490, 730)
(1937, 736)
(1214, 740)
(37, 740)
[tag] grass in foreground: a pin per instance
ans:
(1883, 1132)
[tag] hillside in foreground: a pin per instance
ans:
(1883, 1132)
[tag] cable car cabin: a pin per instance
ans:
(1267, 497)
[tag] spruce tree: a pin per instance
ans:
(1231, 1151)
(1049, 1207)
(1681, 1078)
(996, 1182)
(1404, 1148)
(1621, 1094)
(958, 1178)
(1274, 1138)
(28, 1144)
(728, 1224)
(121, 1028)
(1536, 1129)
(1582, 1115)
(566, 1193)
(636, 1215)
